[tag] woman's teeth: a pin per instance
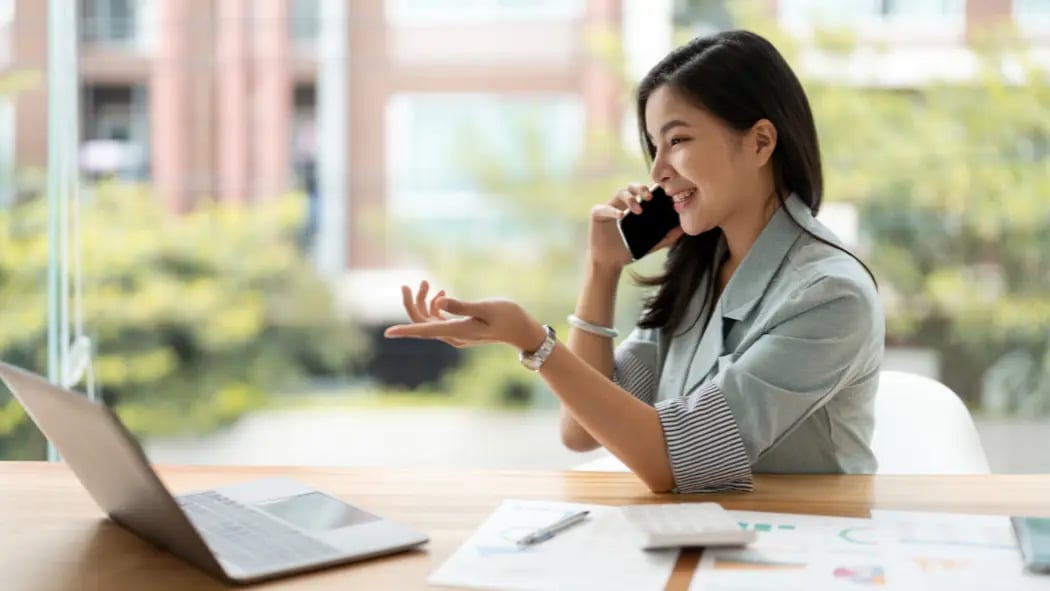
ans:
(680, 197)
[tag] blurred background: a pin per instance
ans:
(207, 207)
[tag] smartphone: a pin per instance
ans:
(642, 231)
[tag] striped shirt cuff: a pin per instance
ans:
(704, 444)
(632, 375)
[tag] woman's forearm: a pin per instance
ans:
(603, 410)
(596, 304)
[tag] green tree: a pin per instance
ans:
(952, 184)
(195, 319)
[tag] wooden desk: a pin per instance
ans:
(52, 536)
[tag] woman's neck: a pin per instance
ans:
(743, 230)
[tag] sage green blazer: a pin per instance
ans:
(793, 344)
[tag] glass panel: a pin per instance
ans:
(427, 12)
(444, 150)
(248, 210)
(1032, 15)
(840, 12)
(7, 15)
(109, 22)
(305, 23)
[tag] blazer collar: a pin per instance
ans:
(751, 279)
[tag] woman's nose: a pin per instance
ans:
(660, 171)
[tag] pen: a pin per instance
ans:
(546, 533)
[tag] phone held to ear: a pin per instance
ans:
(641, 232)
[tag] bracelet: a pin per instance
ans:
(602, 331)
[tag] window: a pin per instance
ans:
(109, 22)
(7, 150)
(7, 17)
(115, 131)
(1032, 15)
(305, 24)
(439, 145)
(421, 12)
(945, 13)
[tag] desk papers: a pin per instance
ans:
(892, 550)
(601, 553)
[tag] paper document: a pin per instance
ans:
(601, 553)
(893, 550)
(794, 552)
(953, 551)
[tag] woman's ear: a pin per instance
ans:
(764, 140)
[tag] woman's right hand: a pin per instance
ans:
(605, 245)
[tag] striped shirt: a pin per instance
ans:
(781, 379)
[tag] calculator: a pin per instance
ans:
(676, 525)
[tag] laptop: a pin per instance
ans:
(242, 533)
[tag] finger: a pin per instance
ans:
(607, 212)
(626, 199)
(410, 306)
(461, 308)
(457, 328)
(642, 193)
(421, 298)
(435, 312)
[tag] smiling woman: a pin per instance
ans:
(760, 350)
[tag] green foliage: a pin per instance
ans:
(195, 319)
(952, 187)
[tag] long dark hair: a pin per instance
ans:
(740, 78)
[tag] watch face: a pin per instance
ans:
(535, 360)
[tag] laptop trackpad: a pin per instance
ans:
(316, 512)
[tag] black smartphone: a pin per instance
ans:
(641, 232)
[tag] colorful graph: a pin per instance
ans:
(757, 560)
(867, 574)
(859, 535)
(765, 526)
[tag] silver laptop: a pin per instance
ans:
(240, 533)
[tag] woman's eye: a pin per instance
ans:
(677, 140)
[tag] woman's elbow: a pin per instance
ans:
(578, 441)
(658, 484)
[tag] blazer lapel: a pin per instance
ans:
(709, 349)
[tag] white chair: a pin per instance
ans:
(921, 427)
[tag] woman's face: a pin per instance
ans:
(703, 164)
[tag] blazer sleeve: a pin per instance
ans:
(635, 364)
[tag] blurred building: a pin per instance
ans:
(211, 99)
(216, 99)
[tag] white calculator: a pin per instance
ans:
(674, 525)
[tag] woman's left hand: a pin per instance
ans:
(485, 321)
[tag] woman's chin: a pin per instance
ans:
(694, 227)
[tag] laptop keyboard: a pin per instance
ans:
(247, 538)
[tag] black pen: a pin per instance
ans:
(546, 533)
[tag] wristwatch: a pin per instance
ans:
(534, 361)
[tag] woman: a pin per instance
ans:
(760, 350)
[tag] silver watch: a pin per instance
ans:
(534, 361)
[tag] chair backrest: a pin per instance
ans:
(922, 427)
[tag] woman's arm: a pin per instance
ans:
(626, 426)
(606, 257)
(611, 416)
(596, 304)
